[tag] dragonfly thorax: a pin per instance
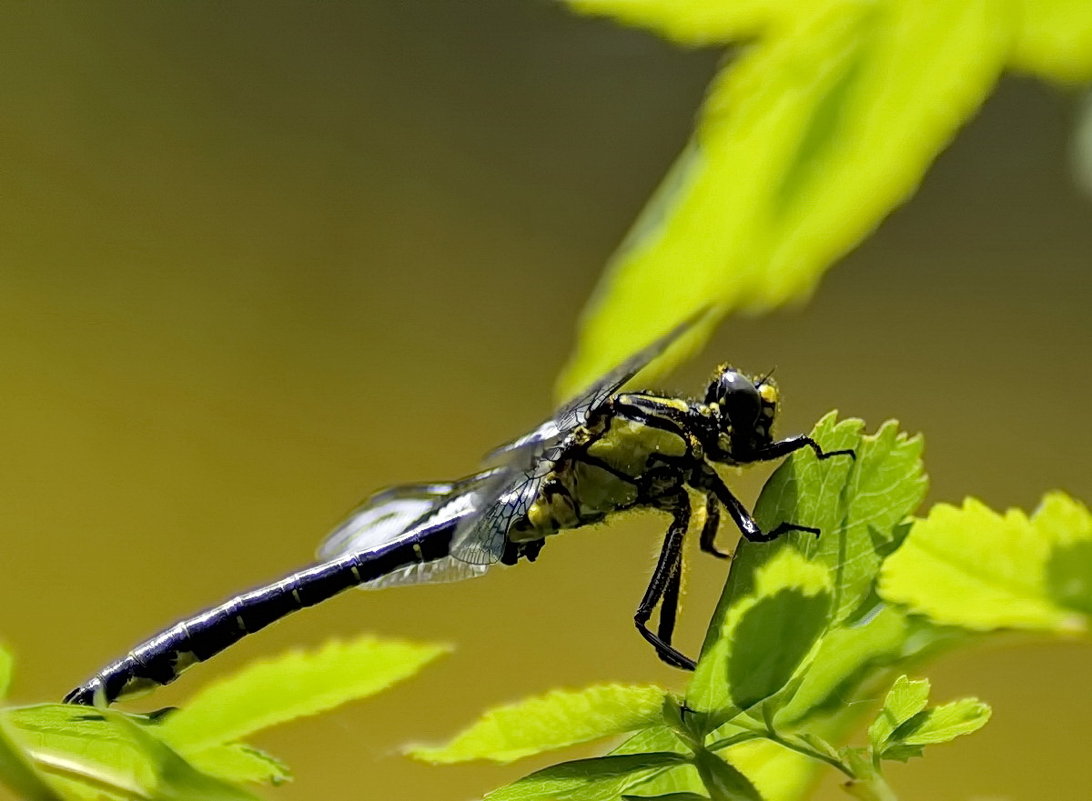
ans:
(625, 464)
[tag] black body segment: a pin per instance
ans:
(162, 659)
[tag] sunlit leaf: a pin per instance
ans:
(942, 723)
(975, 568)
(1069, 577)
(102, 751)
(292, 685)
(808, 139)
(599, 779)
(764, 636)
(557, 719)
(682, 778)
(176, 778)
(1068, 525)
(17, 770)
(241, 763)
(653, 738)
(779, 774)
(724, 781)
(1054, 39)
(6, 664)
(695, 22)
(771, 640)
(679, 780)
(844, 659)
(85, 746)
(904, 726)
(905, 699)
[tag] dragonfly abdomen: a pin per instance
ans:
(163, 658)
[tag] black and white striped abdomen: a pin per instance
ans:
(162, 658)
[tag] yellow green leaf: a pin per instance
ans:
(17, 770)
(845, 655)
(905, 699)
(981, 570)
(598, 779)
(778, 774)
(694, 22)
(764, 636)
(238, 762)
(6, 663)
(292, 685)
(943, 723)
(102, 753)
(1054, 39)
(806, 142)
(554, 720)
(723, 781)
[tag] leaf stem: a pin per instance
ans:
(735, 739)
(766, 730)
(871, 788)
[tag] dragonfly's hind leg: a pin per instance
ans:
(669, 604)
(663, 587)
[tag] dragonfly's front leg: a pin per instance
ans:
(706, 479)
(783, 447)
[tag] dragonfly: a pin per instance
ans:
(604, 452)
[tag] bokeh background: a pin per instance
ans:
(259, 258)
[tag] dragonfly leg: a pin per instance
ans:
(708, 481)
(663, 588)
(783, 447)
(669, 604)
(709, 528)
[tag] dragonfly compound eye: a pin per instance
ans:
(737, 396)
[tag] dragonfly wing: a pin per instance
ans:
(383, 518)
(544, 432)
(435, 572)
(412, 510)
(580, 409)
(481, 540)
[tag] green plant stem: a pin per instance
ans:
(735, 739)
(872, 788)
(768, 732)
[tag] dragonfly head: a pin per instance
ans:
(746, 408)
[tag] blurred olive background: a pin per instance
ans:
(258, 259)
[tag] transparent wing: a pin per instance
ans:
(406, 511)
(480, 540)
(436, 572)
(580, 409)
(544, 432)
(383, 518)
